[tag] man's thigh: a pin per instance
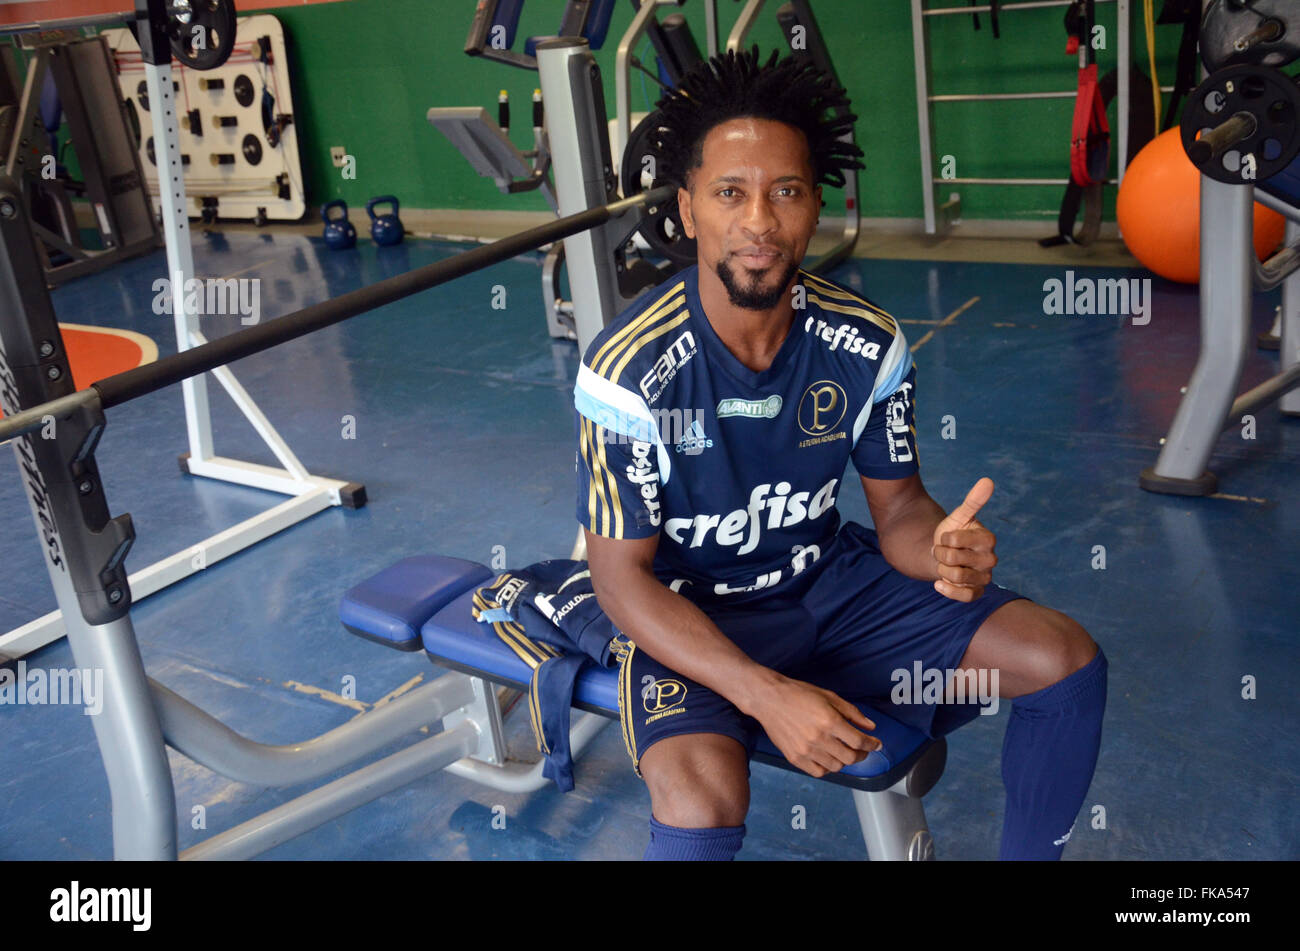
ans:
(884, 638)
(656, 703)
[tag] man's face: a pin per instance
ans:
(752, 208)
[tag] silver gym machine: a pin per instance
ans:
(1230, 273)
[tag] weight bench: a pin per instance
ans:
(424, 602)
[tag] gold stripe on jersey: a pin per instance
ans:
(604, 508)
(826, 289)
(824, 285)
(650, 334)
(535, 713)
(614, 505)
(625, 712)
(884, 322)
(512, 633)
(656, 310)
(594, 500)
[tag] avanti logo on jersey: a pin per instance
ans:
(753, 409)
(666, 367)
(694, 442)
(845, 334)
(743, 528)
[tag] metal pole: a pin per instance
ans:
(205, 739)
(334, 799)
(920, 56)
(1226, 256)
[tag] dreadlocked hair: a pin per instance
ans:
(735, 86)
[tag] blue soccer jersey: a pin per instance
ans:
(737, 471)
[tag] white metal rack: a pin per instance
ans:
(308, 493)
(925, 101)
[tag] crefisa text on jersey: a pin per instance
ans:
(846, 334)
(743, 526)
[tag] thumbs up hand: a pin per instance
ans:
(963, 548)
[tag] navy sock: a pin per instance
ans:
(1048, 757)
(671, 844)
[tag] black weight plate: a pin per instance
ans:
(1271, 97)
(243, 90)
(142, 94)
(1226, 22)
(204, 38)
(661, 225)
(252, 149)
(153, 159)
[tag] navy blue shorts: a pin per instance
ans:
(859, 622)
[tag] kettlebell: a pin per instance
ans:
(339, 232)
(385, 229)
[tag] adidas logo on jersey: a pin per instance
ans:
(694, 442)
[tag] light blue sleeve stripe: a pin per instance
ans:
(612, 418)
(885, 388)
(494, 615)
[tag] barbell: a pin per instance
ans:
(131, 384)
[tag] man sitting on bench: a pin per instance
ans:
(717, 417)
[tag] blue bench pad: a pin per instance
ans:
(391, 606)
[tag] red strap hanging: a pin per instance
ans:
(1090, 133)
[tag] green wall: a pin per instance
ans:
(366, 71)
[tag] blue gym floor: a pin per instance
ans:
(464, 441)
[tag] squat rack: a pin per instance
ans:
(307, 493)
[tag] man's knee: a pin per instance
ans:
(1061, 648)
(1075, 649)
(1033, 646)
(697, 781)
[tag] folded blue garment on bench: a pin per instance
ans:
(548, 615)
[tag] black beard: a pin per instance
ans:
(753, 297)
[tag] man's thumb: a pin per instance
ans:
(975, 499)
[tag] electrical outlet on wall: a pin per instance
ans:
(339, 154)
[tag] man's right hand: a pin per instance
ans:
(816, 730)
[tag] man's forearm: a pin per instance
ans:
(680, 636)
(907, 539)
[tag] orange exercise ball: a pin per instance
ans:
(1159, 210)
